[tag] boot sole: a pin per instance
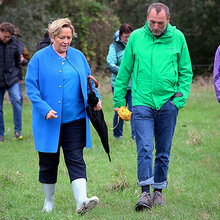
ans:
(88, 206)
(142, 206)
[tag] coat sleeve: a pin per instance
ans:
(124, 75)
(33, 90)
(112, 60)
(185, 75)
(216, 73)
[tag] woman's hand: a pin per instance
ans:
(98, 106)
(51, 114)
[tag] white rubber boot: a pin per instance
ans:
(83, 204)
(49, 196)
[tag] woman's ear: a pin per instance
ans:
(51, 38)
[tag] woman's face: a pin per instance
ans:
(63, 40)
(124, 37)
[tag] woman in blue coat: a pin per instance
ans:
(56, 84)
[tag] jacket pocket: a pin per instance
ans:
(175, 71)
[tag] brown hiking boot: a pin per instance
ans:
(158, 198)
(145, 202)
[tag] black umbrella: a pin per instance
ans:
(97, 117)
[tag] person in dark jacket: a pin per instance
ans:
(114, 58)
(24, 57)
(10, 77)
(24, 53)
(44, 42)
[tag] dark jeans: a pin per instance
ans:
(150, 124)
(118, 131)
(72, 140)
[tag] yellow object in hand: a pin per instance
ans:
(124, 113)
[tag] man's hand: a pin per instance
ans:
(116, 110)
(21, 58)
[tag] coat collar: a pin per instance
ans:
(166, 37)
(54, 53)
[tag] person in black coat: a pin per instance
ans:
(44, 42)
(10, 77)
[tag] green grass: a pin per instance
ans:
(193, 181)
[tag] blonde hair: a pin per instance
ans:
(56, 26)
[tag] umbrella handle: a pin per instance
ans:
(90, 84)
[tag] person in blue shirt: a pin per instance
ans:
(56, 84)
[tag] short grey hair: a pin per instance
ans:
(56, 26)
(158, 7)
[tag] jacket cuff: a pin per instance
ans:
(118, 104)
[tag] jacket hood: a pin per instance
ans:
(117, 38)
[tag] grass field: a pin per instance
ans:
(193, 181)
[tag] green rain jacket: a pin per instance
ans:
(161, 67)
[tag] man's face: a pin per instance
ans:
(157, 22)
(5, 36)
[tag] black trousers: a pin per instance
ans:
(72, 140)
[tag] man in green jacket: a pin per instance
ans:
(158, 56)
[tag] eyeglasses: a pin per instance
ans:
(125, 37)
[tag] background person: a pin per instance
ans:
(24, 57)
(114, 58)
(10, 77)
(216, 73)
(56, 84)
(44, 42)
(158, 56)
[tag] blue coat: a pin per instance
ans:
(44, 81)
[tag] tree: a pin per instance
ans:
(94, 21)
(95, 24)
(30, 16)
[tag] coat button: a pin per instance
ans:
(60, 71)
(59, 86)
(59, 101)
